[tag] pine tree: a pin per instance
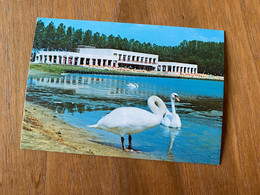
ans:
(38, 36)
(77, 38)
(87, 37)
(49, 37)
(60, 37)
(68, 39)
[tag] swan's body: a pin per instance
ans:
(132, 85)
(128, 120)
(171, 119)
(131, 120)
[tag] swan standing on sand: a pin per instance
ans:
(131, 120)
(172, 119)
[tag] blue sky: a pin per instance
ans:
(160, 35)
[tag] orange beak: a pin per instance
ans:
(177, 98)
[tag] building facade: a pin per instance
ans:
(177, 67)
(99, 57)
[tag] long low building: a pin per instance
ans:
(100, 57)
(75, 58)
(177, 67)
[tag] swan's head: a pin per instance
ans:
(175, 96)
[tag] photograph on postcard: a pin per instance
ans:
(125, 90)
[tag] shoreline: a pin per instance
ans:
(58, 68)
(42, 130)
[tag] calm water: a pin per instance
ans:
(82, 100)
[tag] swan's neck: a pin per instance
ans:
(173, 106)
(157, 106)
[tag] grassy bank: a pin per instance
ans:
(55, 68)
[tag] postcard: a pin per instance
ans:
(125, 90)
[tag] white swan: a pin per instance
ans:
(132, 85)
(131, 120)
(172, 119)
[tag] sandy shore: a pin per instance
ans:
(42, 130)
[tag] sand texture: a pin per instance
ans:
(42, 130)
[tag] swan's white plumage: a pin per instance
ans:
(132, 85)
(131, 120)
(171, 119)
(128, 120)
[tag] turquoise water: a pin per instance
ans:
(82, 100)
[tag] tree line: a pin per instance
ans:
(209, 56)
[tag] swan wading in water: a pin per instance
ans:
(131, 120)
(132, 85)
(171, 119)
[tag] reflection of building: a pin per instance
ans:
(93, 86)
(89, 56)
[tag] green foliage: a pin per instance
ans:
(39, 36)
(209, 56)
(77, 38)
(49, 41)
(68, 39)
(95, 39)
(87, 37)
(53, 68)
(60, 37)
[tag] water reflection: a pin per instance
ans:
(107, 91)
(82, 100)
(172, 133)
(94, 86)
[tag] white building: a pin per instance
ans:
(177, 67)
(89, 56)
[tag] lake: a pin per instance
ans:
(81, 100)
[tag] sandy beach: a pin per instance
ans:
(42, 130)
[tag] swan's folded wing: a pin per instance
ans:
(129, 120)
(166, 121)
